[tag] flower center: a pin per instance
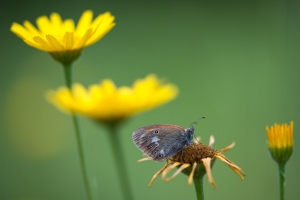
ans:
(194, 153)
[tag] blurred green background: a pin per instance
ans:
(235, 62)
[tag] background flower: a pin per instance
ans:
(281, 141)
(54, 34)
(107, 103)
(61, 38)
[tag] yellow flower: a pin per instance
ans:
(62, 39)
(281, 141)
(106, 103)
(195, 161)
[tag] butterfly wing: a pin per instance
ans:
(160, 141)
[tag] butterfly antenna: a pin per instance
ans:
(197, 140)
(195, 122)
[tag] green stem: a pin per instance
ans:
(79, 137)
(68, 75)
(282, 179)
(117, 151)
(198, 182)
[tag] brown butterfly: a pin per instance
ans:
(161, 141)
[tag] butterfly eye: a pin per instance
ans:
(156, 131)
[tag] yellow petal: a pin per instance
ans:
(106, 102)
(182, 167)
(206, 162)
(190, 180)
(102, 24)
(68, 25)
(43, 43)
(69, 40)
(56, 22)
(19, 30)
(37, 46)
(84, 39)
(31, 29)
(54, 43)
(44, 25)
(157, 174)
(84, 22)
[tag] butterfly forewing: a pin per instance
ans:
(160, 141)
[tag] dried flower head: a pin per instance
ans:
(195, 161)
(62, 39)
(281, 141)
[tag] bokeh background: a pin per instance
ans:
(235, 62)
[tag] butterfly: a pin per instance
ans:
(161, 141)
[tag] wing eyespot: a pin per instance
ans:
(160, 155)
(150, 146)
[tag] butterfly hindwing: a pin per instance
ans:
(160, 141)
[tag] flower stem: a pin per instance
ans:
(281, 167)
(198, 182)
(68, 75)
(117, 151)
(79, 137)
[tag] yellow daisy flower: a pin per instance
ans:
(62, 39)
(195, 160)
(107, 103)
(281, 141)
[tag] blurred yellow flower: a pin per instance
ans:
(281, 141)
(62, 39)
(196, 160)
(104, 102)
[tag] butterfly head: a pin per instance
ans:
(189, 132)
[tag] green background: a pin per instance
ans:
(235, 62)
